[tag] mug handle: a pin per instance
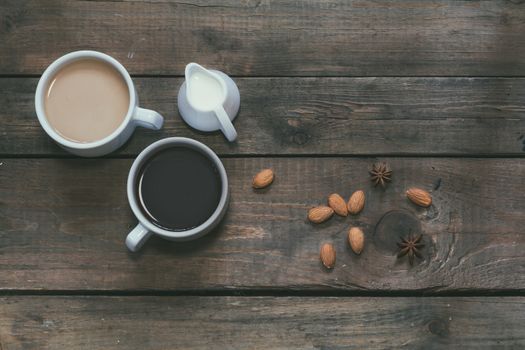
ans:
(147, 118)
(137, 237)
(226, 124)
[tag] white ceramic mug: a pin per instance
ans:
(135, 116)
(145, 228)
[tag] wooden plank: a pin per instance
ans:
(277, 38)
(63, 224)
(361, 116)
(260, 323)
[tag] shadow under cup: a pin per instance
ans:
(178, 188)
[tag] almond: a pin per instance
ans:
(328, 255)
(263, 179)
(356, 202)
(419, 197)
(320, 214)
(356, 238)
(337, 203)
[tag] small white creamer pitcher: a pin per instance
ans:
(209, 100)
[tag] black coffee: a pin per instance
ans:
(178, 188)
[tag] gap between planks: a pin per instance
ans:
(291, 156)
(278, 293)
(163, 76)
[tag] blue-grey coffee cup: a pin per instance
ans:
(145, 228)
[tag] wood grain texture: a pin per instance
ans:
(277, 38)
(63, 224)
(260, 323)
(361, 116)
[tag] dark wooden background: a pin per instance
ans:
(434, 88)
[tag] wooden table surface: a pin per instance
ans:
(435, 88)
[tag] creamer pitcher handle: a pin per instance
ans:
(226, 124)
(147, 118)
(137, 237)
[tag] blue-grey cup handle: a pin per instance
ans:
(137, 237)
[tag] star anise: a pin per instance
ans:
(380, 174)
(410, 246)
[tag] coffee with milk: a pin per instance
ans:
(86, 101)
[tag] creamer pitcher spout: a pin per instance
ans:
(191, 69)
